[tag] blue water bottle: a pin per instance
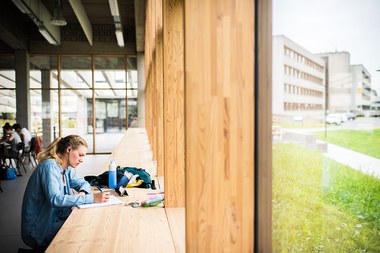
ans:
(112, 175)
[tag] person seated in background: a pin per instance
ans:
(24, 134)
(5, 125)
(134, 122)
(48, 198)
(12, 138)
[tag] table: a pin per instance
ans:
(118, 228)
(122, 228)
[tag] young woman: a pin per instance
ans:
(48, 197)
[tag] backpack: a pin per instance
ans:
(7, 173)
(102, 179)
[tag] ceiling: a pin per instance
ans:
(90, 27)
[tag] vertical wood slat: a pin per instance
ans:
(264, 126)
(174, 131)
(159, 151)
(152, 70)
(148, 89)
(219, 53)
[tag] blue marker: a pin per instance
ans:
(100, 189)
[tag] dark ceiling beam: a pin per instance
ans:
(41, 17)
(81, 14)
(11, 32)
(140, 25)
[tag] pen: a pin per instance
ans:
(100, 189)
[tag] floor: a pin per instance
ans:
(11, 200)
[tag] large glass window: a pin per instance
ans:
(76, 88)
(7, 91)
(44, 97)
(75, 94)
(326, 158)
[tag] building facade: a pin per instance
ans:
(298, 81)
(349, 86)
(362, 96)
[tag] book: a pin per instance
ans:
(111, 201)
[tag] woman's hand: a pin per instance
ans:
(101, 197)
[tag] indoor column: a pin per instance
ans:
(22, 88)
(141, 89)
(47, 122)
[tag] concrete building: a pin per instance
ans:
(349, 86)
(298, 81)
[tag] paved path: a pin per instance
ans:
(355, 160)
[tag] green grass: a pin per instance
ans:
(322, 206)
(365, 142)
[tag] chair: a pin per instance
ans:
(20, 158)
(29, 152)
(16, 158)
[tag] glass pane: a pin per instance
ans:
(132, 93)
(44, 97)
(325, 156)
(7, 91)
(7, 99)
(76, 72)
(110, 95)
(112, 85)
(76, 84)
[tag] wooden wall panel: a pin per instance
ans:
(165, 95)
(219, 64)
(174, 117)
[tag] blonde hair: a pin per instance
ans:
(58, 147)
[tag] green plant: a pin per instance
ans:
(69, 123)
(317, 209)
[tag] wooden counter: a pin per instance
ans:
(122, 228)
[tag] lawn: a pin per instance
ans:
(322, 206)
(365, 142)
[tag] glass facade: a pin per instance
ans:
(75, 95)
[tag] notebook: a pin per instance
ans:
(111, 201)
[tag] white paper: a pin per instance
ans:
(111, 201)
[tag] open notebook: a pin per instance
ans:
(112, 201)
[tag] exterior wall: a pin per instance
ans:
(298, 80)
(278, 75)
(349, 86)
(361, 83)
(339, 81)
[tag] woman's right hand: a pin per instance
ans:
(101, 197)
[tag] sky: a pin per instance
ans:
(322, 26)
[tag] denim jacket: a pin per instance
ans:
(48, 201)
